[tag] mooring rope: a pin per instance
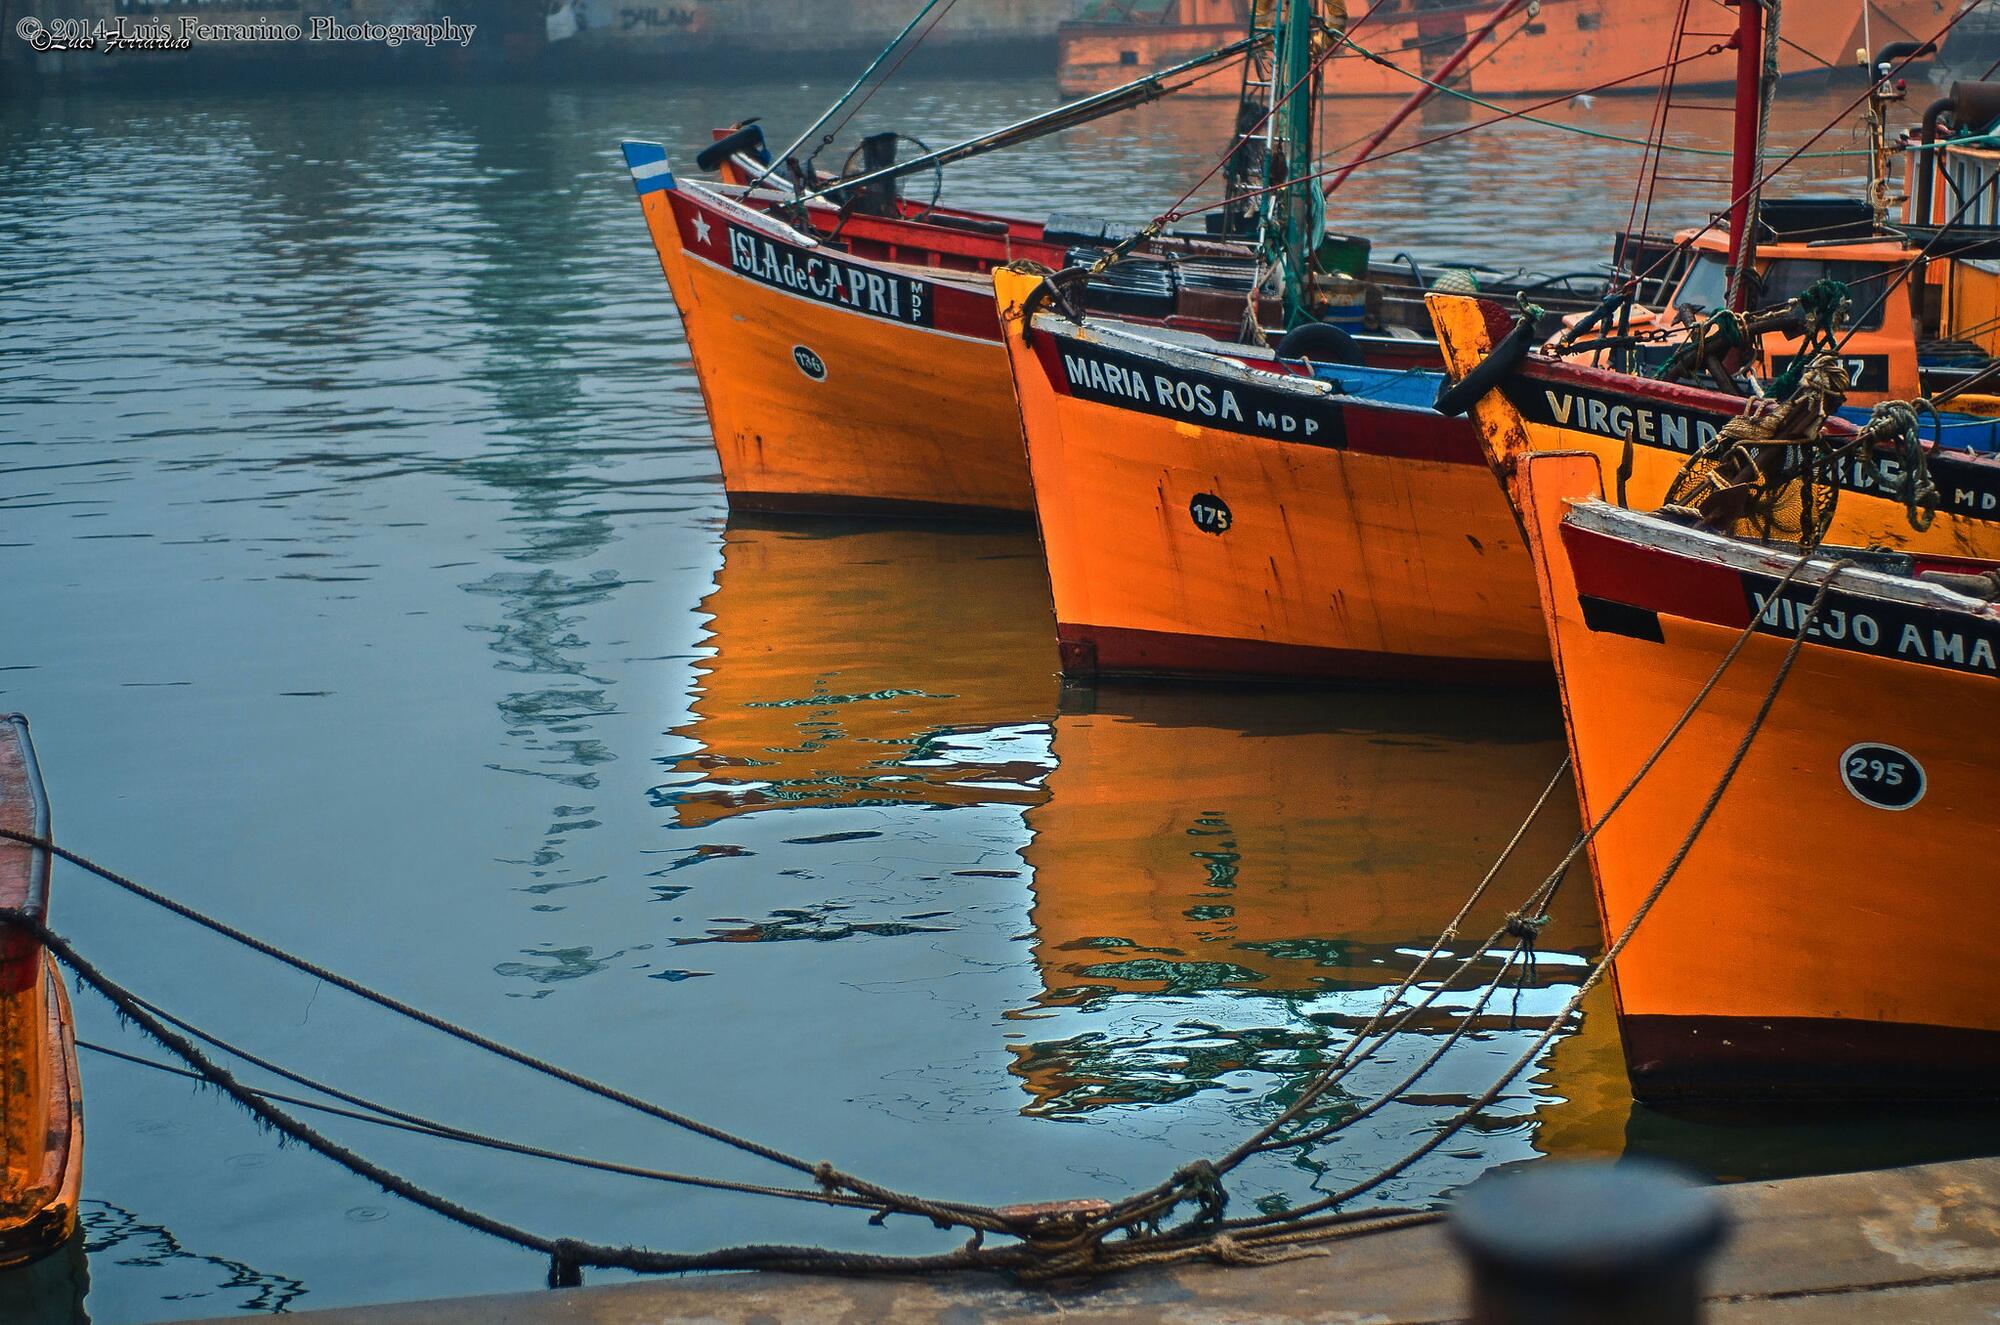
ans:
(1054, 1241)
(822, 1173)
(1262, 1140)
(1618, 945)
(367, 1110)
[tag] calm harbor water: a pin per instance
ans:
(371, 586)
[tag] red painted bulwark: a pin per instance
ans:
(24, 870)
(1658, 581)
(1113, 651)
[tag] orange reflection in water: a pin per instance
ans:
(847, 656)
(1197, 845)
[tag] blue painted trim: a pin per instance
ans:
(648, 164)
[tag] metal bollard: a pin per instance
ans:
(1560, 1243)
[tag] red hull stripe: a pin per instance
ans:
(1644, 577)
(1620, 581)
(1116, 651)
(1807, 1058)
(896, 508)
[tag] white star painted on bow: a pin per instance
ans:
(700, 228)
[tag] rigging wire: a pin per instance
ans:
(873, 65)
(883, 82)
(381, 1115)
(1647, 180)
(1461, 130)
(1799, 152)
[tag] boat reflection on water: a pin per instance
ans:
(50, 1290)
(1227, 883)
(861, 664)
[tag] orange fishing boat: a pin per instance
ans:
(41, 1099)
(1546, 48)
(1205, 517)
(845, 338)
(1821, 940)
(836, 378)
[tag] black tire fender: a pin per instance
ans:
(749, 138)
(1500, 363)
(1320, 342)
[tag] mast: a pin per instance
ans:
(1294, 213)
(1749, 132)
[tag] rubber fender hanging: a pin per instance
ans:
(749, 138)
(1321, 342)
(1455, 398)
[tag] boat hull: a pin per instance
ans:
(834, 385)
(41, 1119)
(1255, 528)
(1559, 46)
(1819, 942)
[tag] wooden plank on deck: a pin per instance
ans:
(1909, 1246)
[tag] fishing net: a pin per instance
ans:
(1769, 473)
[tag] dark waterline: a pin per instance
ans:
(372, 588)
